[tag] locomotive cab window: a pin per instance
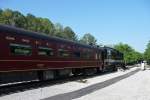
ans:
(20, 49)
(86, 55)
(45, 51)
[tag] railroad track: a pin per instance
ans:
(14, 88)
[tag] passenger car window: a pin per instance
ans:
(20, 49)
(63, 53)
(45, 51)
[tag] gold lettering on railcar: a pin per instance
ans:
(9, 38)
(25, 40)
(47, 44)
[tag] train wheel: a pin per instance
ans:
(46, 75)
(64, 72)
(114, 68)
(90, 71)
(101, 70)
(77, 72)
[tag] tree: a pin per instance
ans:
(1, 17)
(44, 25)
(48, 26)
(69, 34)
(7, 16)
(147, 53)
(59, 31)
(88, 39)
(1, 11)
(66, 33)
(31, 22)
(37, 24)
(130, 55)
(18, 20)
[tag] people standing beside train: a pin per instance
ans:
(142, 66)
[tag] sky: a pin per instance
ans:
(109, 21)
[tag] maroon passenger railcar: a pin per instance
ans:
(30, 55)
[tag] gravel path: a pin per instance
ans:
(90, 89)
(136, 87)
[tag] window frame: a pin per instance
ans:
(64, 51)
(45, 48)
(20, 46)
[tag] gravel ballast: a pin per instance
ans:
(49, 91)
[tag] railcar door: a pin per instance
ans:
(99, 59)
(105, 58)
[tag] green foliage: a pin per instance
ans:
(31, 22)
(130, 55)
(7, 17)
(147, 53)
(1, 17)
(59, 30)
(42, 25)
(37, 24)
(68, 32)
(88, 39)
(19, 20)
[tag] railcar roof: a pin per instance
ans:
(15, 30)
